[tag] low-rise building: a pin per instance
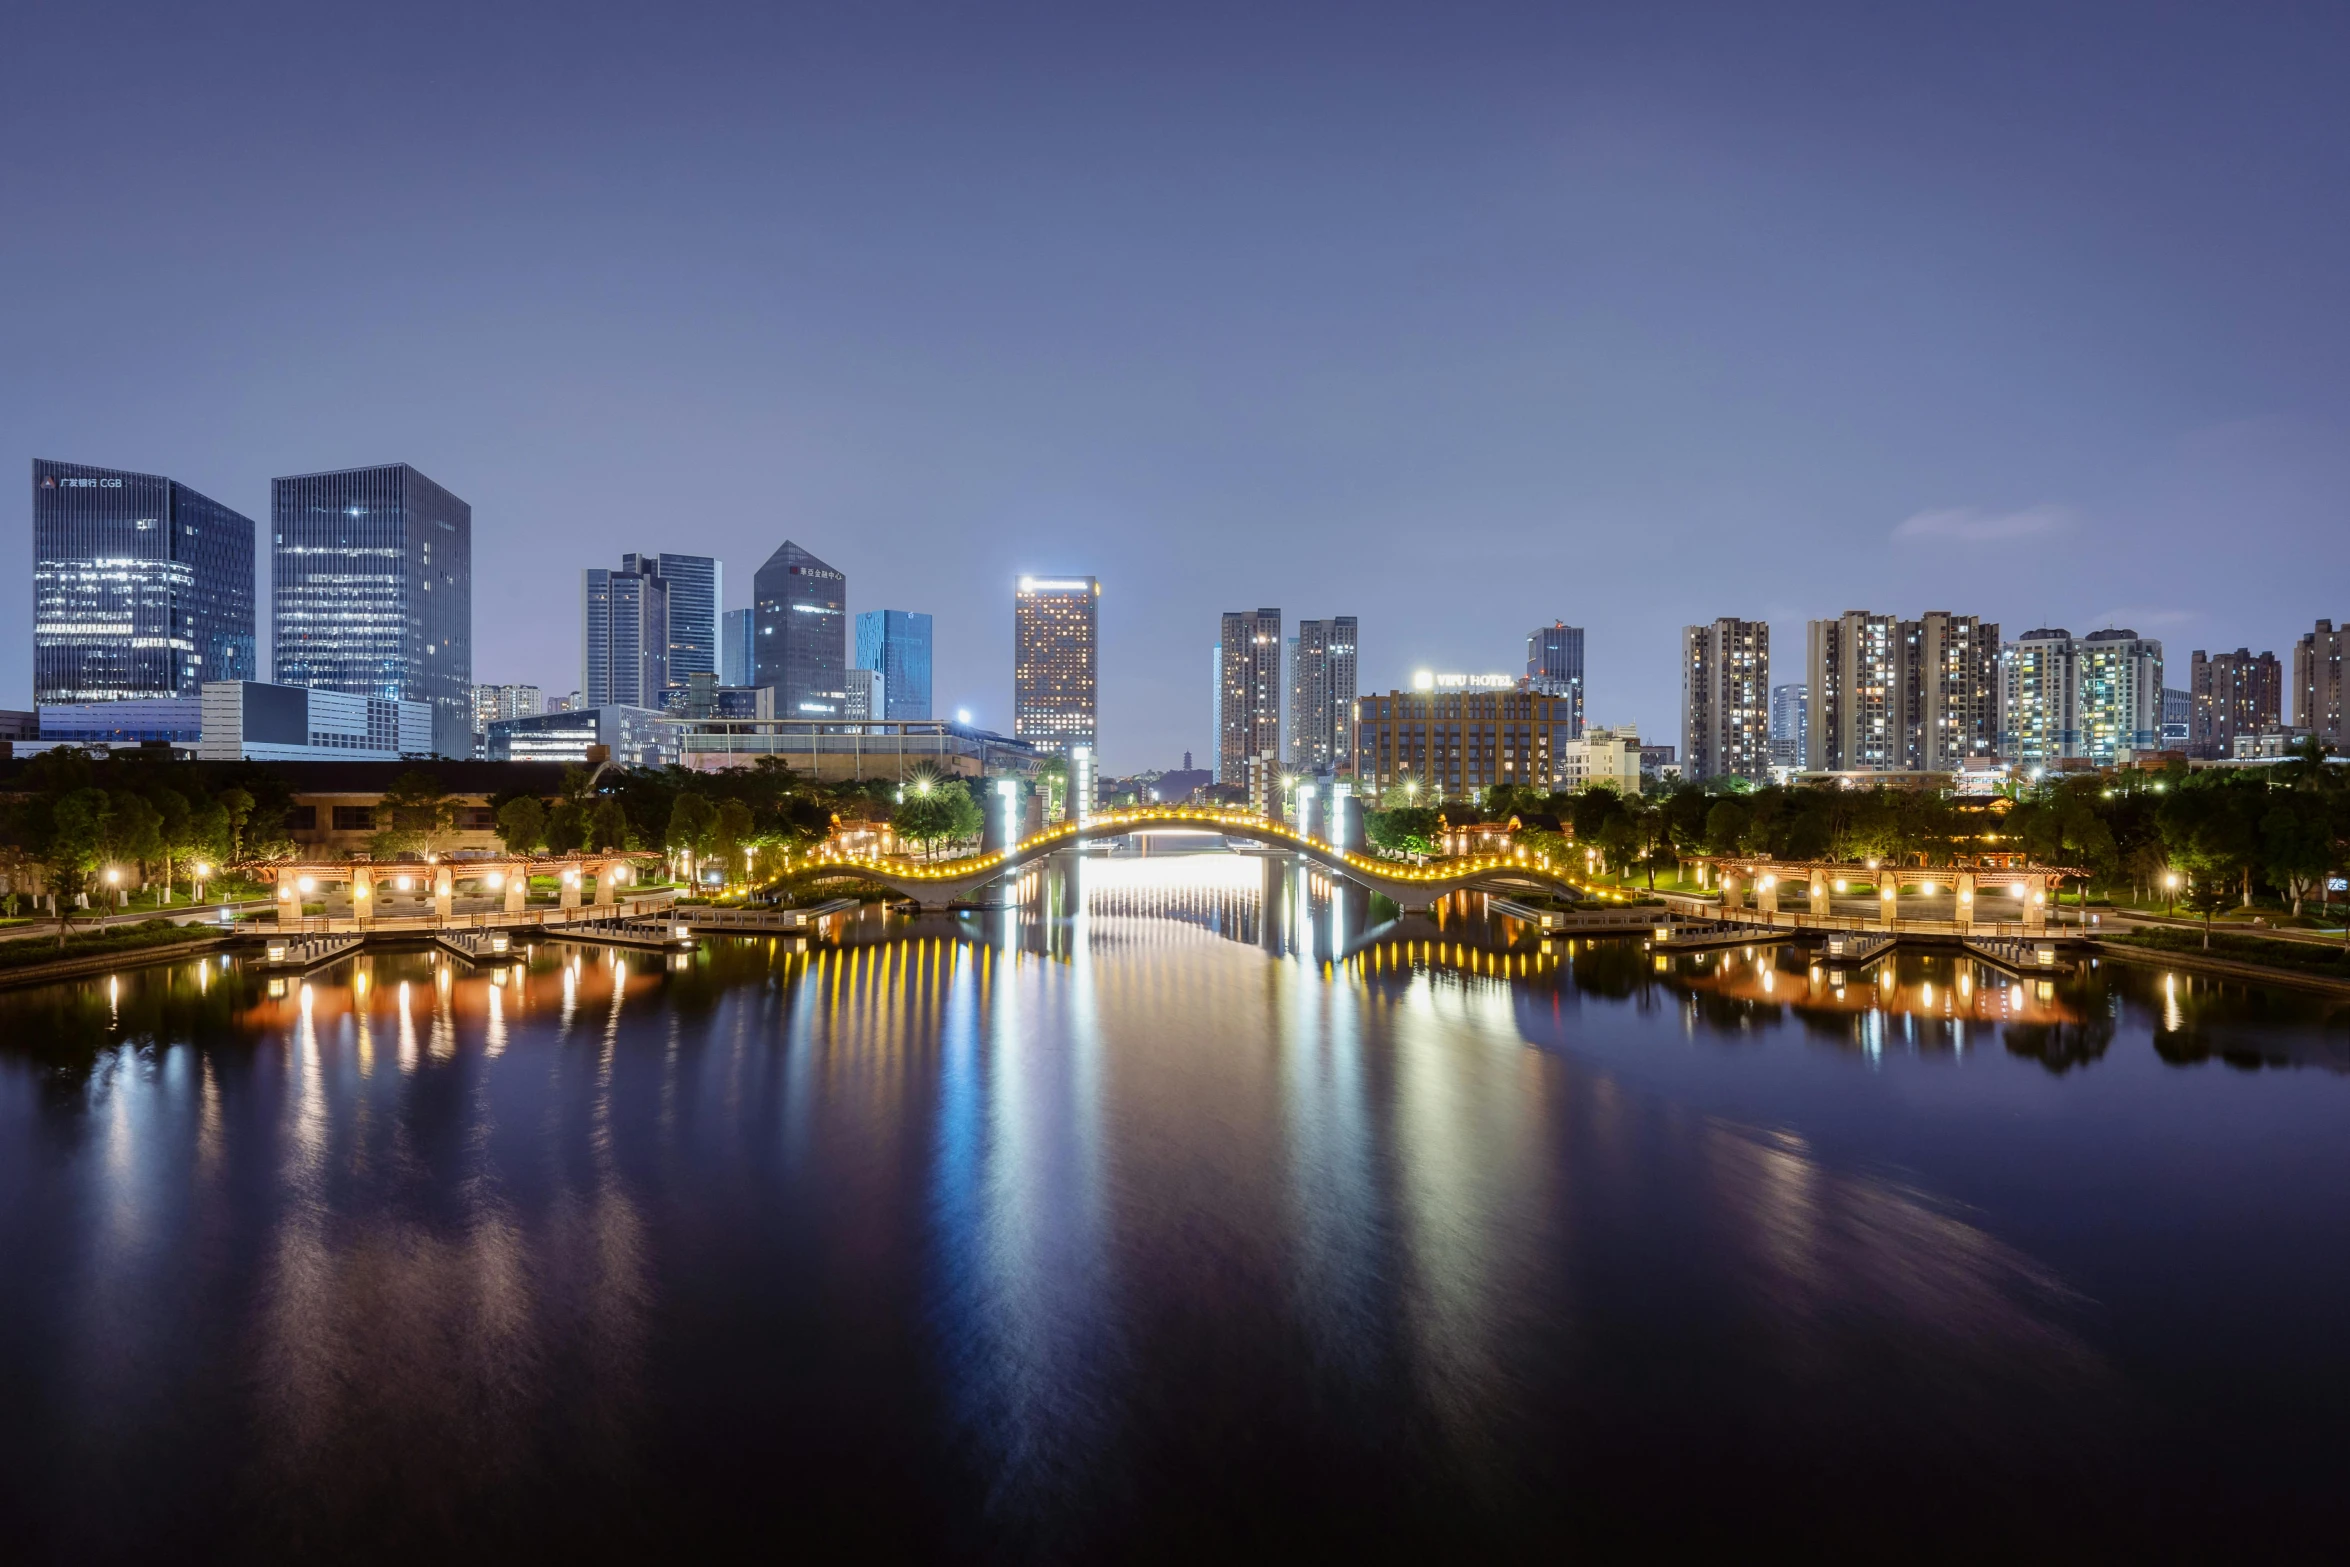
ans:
(837, 751)
(248, 720)
(334, 804)
(133, 721)
(630, 737)
(1601, 759)
(1459, 742)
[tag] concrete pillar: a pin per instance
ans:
(1766, 893)
(2035, 902)
(362, 892)
(1820, 901)
(568, 881)
(1346, 818)
(1964, 904)
(1730, 888)
(1888, 897)
(517, 888)
(608, 882)
(1004, 813)
(444, 890)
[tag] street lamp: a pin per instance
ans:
(2170, 885)
(114, 880)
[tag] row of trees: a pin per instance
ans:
(2282, 830)
(158, 824)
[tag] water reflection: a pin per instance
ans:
(1197, 1199)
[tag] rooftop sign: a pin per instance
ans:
(1424, 680)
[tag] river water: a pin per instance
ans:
(1196, 1206)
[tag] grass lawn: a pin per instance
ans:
(123, 938)
(2301, 957)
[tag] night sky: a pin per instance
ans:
(1458, 319)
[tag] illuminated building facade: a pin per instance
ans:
(696, 587)
(372, 592)
(624, 634)
(1726, 700)
(895, 644)
(1056, 662)
(2321, 705)
(1322, 696)
(245, 720)
(1455, 743)
(142, 588)
(2036, 724)
(1249, 691)
(1554, 664)
(2117, 695)
(1858, 707)
(1951, 680)
(800, 633)
(1790, 703)
(735, 648)
(2239, 693)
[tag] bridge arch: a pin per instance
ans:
(1411, 887)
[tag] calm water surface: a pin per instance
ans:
(1195, 1208)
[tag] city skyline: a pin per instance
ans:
(1763, 332)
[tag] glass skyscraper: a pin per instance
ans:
(624, 635)
(800, 642)
(142, 588)
(896, 644)
(1554, 667)
(697, 586)
(735, 659)
(374, 592)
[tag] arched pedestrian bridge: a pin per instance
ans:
(1412, 887)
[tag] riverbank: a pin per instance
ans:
(103, 952)
(2255, 959)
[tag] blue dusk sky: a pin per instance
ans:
(1457, 318)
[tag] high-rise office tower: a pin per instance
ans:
(2235, 693)
(142, 588)
(1790, 706)
(373, 592)
(697, 586)
(1322, 695)
(2117, 695)
(1857, 706)
(2036, 723)
(1056, 662)
(624, 635)
(1951, 681)
(2321, 703)
(735, 650)
(1554, 665)
(800, 633)
(1726, 700)
(897, 643)
(1250, 679)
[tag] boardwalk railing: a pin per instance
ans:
(541, 919)
(1790, 919)
(756, 919)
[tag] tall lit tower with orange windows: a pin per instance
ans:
(1056, 664)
